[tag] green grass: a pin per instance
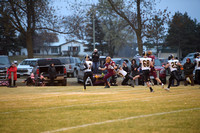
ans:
(120, 109)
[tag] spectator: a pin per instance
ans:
(30, 80)
(197, 67)
(188, 71)
(52, 73)
(12, 69)
(134, 70)
(95, 60)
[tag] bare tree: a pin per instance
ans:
(137, 14)
(28, 16)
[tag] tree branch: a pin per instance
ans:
(121, 14)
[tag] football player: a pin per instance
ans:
(146, 63)
(110, 66)
(197, 67)
(172, 64)
(87, 70)
(153, 70)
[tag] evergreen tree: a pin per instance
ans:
(99, 34)
(8, 40)
(182, 34)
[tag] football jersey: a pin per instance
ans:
(173, 65)
(89, 66)
(197, 67)
(152, 57)
(121, 72)
(145, 63)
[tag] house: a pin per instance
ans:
(70, 48)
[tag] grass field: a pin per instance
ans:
(120, 109)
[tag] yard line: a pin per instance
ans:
(117, 120)
(68, 106)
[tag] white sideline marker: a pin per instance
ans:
(117, 120)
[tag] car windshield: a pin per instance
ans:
(27, 62)
(45, 62)
(117, 61)
(4, 61)
(65, 60)
(71, 60)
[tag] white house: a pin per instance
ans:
(70, 48)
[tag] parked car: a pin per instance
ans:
(98, 78)
(71, 65)
(163, 61)
(119, 61)
(42, 66)
(160, 70)
(4, 64)
(26, 66)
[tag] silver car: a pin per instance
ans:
(71, 64)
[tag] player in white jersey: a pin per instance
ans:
(87, 71)
(197, 67)
(145, 64)
(172, 64)
(123, 72)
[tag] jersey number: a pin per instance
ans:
(146, 63)
(174, 64)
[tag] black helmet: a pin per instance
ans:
(144, 53)
(171, 56)
(196, 54)
(87, 56)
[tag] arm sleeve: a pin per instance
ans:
(85, 66)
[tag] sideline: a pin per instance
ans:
(117, 120)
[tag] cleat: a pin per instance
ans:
(162, 86)
(188, 79)
(107, 86)
(151, 90)
(167, 89)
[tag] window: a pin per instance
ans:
(54, 50)
(36, 51)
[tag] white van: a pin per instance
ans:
(25, 67)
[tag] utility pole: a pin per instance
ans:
(93, 28)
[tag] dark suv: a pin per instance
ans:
(4, 64)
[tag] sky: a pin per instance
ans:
(192, 7)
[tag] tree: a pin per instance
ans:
(30, 16)
(44, 39)
(137, 14)
(182, 34)
(116, 30)
(8, 38)
(98, 32)
(156, 32)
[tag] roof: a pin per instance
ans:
(63, 41)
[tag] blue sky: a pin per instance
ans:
(192, 7)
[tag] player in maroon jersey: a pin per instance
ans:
(110, 66)
(153, 70)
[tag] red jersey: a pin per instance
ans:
(152, 57)
(110, 66)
